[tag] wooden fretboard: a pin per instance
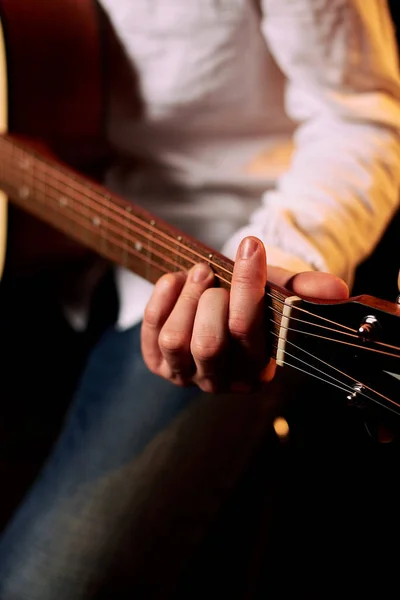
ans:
(116, 229)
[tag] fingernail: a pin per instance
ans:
(248, 248)
(200, 273)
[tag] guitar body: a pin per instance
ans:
(52, 92)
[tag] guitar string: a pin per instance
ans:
(288, 364)
(88, 192)
(99, 201)
(218, 266)
(337, 381)
(169, 238)
(303, 310)
(332, 339)
(356, 381)
(293, 366)
(161, 269)
(139, 254)
(144, 234)
(114, 240)
(315, 324)
(274, 297)
(190, 260)
(333, 330)
(110, 226)
(122, 234)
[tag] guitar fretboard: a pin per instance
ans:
(114, 228)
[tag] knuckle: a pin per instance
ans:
(172, 341)
(190, 296)
(251, 272)
(168, 280)
(207, 347)
(238, 325)
(245, 280)
(214, 296)
(212, 292)
(152, 317)
(248, 278)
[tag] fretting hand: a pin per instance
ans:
(193, 332)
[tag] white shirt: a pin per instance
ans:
(273, 118)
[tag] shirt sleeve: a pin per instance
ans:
(329, 210)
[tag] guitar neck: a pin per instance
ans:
(127, 235)
(87, 212)
(120, 231)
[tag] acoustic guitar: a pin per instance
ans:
(52, 78)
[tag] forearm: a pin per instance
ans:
(343, 88)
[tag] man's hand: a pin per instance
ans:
(195, 333)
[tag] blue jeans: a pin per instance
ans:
(66, 530)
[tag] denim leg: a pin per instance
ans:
(62, 535)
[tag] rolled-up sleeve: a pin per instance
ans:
(330, 208)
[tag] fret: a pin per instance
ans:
(101, 222)
(179, 266)
(137, 244)
(68, 195)
(149, 250)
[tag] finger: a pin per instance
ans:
(246, 308)
(310, 284)
(176, 334)
(319, 285)
(210, 339)
(165, 294)
(313, 284)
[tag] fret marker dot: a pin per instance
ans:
(152, 223)
(138, 246)
(96, 221)
(179, 238)
(210, 256)
(24, 192)
(63, 201)
(129, 208)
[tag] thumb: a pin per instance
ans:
(313, 284)
(319, 285)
